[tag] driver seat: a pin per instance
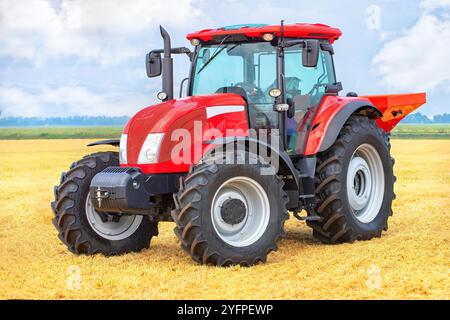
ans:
(235, 90)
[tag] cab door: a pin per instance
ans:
(305, 89)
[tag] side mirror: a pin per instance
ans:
(153, 64)
(310, 53)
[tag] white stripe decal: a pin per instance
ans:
(217, 110)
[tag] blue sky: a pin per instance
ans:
(64, 58)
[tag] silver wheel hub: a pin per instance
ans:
(240, 211)
(113, 229)
(365, 183)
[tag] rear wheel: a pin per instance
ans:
(84, 230)
(229, 214)
(354, 184)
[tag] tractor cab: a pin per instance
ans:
(274, 68)
(250, 70)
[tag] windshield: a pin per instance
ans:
(230, 65)
(250, 70)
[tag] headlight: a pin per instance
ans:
(150, 148)
(123, 149)
(195, 42)
(268, 36)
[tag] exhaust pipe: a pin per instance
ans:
(167, 65)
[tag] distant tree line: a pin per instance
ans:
(63, 121)
(423, 119)
(416, 118)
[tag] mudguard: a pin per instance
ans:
(111, 142)
(338, 121)
(331, 117)
(286, 167)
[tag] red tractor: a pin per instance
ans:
(261, 132)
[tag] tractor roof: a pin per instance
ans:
(297, 30)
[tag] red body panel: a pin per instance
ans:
(329, 107)
(393, 107)
(187, 113)
(190, 114)
(298, 30)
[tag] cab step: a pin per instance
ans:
(312, 217)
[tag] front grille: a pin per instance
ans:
(119, 170)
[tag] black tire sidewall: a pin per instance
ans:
(135, 242)
(140, 234)
(374, 138)
(270, 185)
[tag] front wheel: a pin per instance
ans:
(354, 184)
(230, 214)
(84, 230)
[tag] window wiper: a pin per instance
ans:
(218, 51)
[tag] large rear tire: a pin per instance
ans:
(354, 184)
(230, 214)
(86, 231)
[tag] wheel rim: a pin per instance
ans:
(112, 230)
(365, 183)
(240, 211)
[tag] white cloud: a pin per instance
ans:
(69, 101)
(88, 29)
(418, 59)
(430, 5)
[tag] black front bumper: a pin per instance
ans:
(128, 190)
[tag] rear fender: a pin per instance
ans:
(111, 142)
(327, 124)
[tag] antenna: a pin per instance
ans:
(282, 31)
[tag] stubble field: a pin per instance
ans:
(411, 260)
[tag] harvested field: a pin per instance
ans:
(411, 260)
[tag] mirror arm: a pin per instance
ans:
(333, 88)
(291, 43)
(177, 50)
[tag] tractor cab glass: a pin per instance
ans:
(235, 68)
(250, 70)
(305, 88)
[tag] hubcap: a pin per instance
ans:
(365, 183)
(233, 211)
(240, 211)
(116, 228)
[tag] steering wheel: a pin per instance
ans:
(253, 92)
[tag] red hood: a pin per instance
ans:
(170, 115)
(159, 117)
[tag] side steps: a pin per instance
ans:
(312, 216)
(307, 198)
